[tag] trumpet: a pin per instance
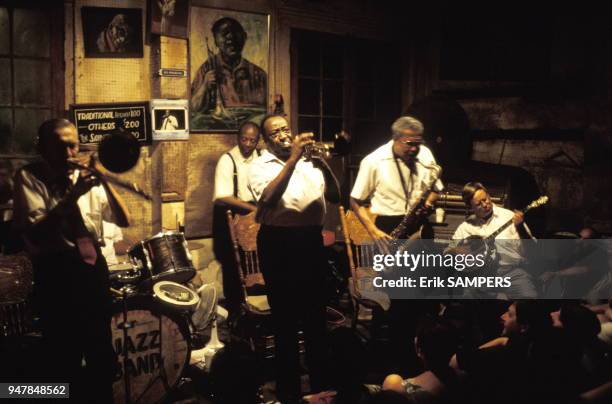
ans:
(320, 150)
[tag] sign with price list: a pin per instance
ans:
(96, 121)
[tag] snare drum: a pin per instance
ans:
(163, 257)
(123, 273)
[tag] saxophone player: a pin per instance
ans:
(393, 179)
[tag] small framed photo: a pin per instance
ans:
(112, 32)
(170, 119)
(169, 17)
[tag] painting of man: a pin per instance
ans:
(230, 85)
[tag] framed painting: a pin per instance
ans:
(229, 52)
(112, 32)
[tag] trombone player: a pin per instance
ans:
(59, 212)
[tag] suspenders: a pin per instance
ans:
(235, 176)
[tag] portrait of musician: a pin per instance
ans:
(59, 212)
(231, 193)
(488, 218)
(226, 78)
(399, 180)
(291, 188)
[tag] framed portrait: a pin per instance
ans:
(169, 17)
(170, 119)
(229, 68)
(112, 32)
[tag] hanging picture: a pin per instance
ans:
(170, 120)
(112, 32)
(229, 68)
(169, 17)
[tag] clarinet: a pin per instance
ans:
(412, 217)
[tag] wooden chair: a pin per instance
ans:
(253, 325)
(360, 249)
(243, 231)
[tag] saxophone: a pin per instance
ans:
(414, 215)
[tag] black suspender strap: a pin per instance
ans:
(235, 176)
(236, 172)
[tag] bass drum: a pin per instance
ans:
(157, 348)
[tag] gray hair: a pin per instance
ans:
(404, 123)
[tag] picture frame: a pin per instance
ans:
(112, 32)
(169, 18)
(170, 119)
(239, 65)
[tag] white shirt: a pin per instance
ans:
(33, 200)
(302, 203)
(379, 181)
(169, 123)
(508, 248)
(224, 175)
(112, 235)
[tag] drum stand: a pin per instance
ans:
(125, 292)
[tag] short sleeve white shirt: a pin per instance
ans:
(379, 181)
(224, 175)
(302, 203)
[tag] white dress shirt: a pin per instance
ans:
(379, 181)
(302, 203)
(224, 175)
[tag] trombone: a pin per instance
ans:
(117, 153)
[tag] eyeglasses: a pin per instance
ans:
(277, 132)
(410, 143)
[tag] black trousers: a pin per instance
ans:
(293, 266)
(74, 303)
(404, 316)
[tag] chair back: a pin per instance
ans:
(360, 246)
(243, 231)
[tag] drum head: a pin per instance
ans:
(156, 338)
(175, 295)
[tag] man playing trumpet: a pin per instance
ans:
(290, 191)
(59, 213)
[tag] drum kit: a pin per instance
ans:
(156, 317)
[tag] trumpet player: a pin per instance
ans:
(291, 191)
(391, 180)
(59, 213)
